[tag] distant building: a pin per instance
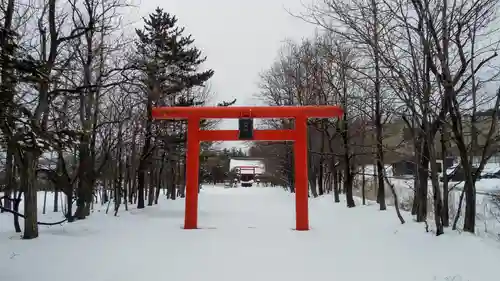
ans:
(247, 165)
(247, 169)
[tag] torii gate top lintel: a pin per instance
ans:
(235, 112)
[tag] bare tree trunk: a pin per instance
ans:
(417, 150)
(348, 174)
(321, 188)
(446, 196)
(12, 185)
(145, 156)
(44, 207)
(159, 181)
(363, 185)
(119, 183)
(56, 200)
(15, 207)
(84, 188)
(133, 169)
(378, 112)
(396, 200)
(313, 179)
(336, 195)
(28, 181)
(438, 204)
(321, 163)
(7, 93)
(151, 187)
(459, 210)
(423, 185)
(9, 177)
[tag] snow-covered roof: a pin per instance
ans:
(246, 165)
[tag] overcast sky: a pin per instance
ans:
(240, 39)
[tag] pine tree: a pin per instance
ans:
(168, 65)
(168, 60)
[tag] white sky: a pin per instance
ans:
(239, 38)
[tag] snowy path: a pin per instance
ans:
(247, 236)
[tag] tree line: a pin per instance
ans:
(76, 95)
(418, 82)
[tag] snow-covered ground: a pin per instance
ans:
(246, 235)
(488, 214)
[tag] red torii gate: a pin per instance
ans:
(246, 132)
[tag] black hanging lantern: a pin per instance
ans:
(245, 126)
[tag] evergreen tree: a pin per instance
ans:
(168, 66)
(167, 59)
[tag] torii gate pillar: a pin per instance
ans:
(298, 135)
